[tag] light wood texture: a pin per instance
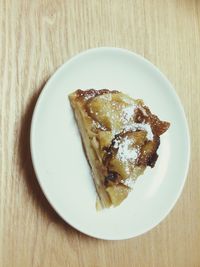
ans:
(38, 36)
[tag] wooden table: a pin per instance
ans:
(36, 37)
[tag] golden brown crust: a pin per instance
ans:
(82, 95)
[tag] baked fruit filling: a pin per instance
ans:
(121, 137)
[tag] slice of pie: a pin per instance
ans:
(120, 136)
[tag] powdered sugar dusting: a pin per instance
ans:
(141, 126)
(129, 125)
(129, 182)
(128, 113)
(147, 128)
(97, 125)
(125, 152)
(116, 143)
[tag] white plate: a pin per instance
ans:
(59, 160)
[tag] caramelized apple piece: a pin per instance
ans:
(117, 193)
(105, 138)
(136, 171)
(159, 127)
(119, 167)
(106, 111)
(138, 137)
(148, 154)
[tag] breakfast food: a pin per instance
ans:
(120, 136)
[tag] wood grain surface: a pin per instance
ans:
(36, 37)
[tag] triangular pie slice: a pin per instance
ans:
(120, 136)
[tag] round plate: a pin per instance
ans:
(58, 157)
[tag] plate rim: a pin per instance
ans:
(172, 90)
